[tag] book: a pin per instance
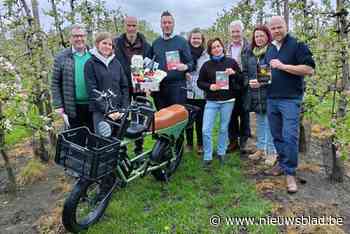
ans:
(264, 74)
(222, 80)
(172, 59)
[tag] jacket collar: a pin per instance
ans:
(99, 57)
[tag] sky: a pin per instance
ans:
(188, 14)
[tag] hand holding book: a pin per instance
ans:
(214, 87)
(181, 67)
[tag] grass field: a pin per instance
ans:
(187, 202)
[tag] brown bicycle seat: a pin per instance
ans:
(169, 116)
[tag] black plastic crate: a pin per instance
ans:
(85, 153)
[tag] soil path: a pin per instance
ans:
(21, 214)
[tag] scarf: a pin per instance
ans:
(217, 58)
(259, 51)
(196, 53)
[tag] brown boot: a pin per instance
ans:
(233, 146)
(291, 184)
(275, 171)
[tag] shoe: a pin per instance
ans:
(200, 150)
(222, 159)
(291, 184)
(259, 154)
(206, 164)
(271, 159)
(233, 146)
(275, 171)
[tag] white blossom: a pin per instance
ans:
(7, 125)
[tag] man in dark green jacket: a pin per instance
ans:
(68, 87)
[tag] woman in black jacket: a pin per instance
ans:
(258, 89)
(102, 72)
(220, 78)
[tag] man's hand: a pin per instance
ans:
(59, 111)
(214, 87)
(230, 71)
(276, 63)
(181, 67)
(115, 115)
(254, 84)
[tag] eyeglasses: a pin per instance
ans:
(78, 35)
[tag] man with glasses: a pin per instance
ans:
(70, 98)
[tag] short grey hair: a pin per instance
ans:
(236, 23)
(77, 26)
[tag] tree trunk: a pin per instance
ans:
(11, 186)
(72, 11)
(286, 12)
(343, 37)
(277, 5)
(58, 24)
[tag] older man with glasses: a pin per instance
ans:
(70, 98)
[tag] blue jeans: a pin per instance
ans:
(210, 111)
(283, 115)
(264, 138)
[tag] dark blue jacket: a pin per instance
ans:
(160, 46)
(284, 84)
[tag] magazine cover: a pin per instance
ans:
(222, 80)
(172, 59)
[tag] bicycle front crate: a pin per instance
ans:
(85, 153)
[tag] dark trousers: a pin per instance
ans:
(283, 115)
(198, 122)
(170, 94)
(239, 123)
(83, 118)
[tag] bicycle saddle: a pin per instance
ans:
(170, 116)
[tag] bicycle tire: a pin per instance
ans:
(78, 196)
(163, 174)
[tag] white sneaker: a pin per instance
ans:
(271, 159)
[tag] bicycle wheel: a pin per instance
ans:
(163, 174)
(86, 204)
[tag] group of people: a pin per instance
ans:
(78, 70)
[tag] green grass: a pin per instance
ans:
(17, 135)
(186, 203)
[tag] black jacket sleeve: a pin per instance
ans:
(237, 79)
(203, 81)
(304, 55)
(91, 84)
(56, 83)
